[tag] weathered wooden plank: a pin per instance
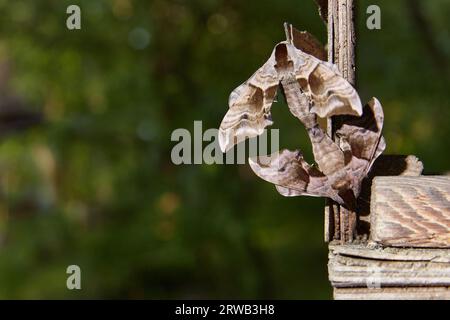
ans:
(341, 51)
(342, 37)
(328, 224)
(332, 223)
(375, 267)
(355, 272)
(384, 165)
(377, 252)
(411, 211)
(407, 293)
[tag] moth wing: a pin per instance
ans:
(363, 136)
(292, 175)
(249, 107)
(380, 148)
(364, 133)
(286, 192)
(306, 42)
(331, 93)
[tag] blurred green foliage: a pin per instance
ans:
(93, 184)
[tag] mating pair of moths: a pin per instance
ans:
(312, 88)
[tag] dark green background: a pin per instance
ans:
(93, 183)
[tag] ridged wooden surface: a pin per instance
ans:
(411, 211)
(411, 293)
(341, 51)
(345, 271)
(370, 271)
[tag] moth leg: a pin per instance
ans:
(345, 147)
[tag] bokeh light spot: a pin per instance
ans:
(139, 38)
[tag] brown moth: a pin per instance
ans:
(313, 88)
(250, 103)
(360, 143)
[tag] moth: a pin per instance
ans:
(312, 88)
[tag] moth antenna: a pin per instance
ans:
(288, 32)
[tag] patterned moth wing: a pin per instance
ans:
(249, 107)
(250, 103)
(329, 92)
(292, 175)
(364, 139)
